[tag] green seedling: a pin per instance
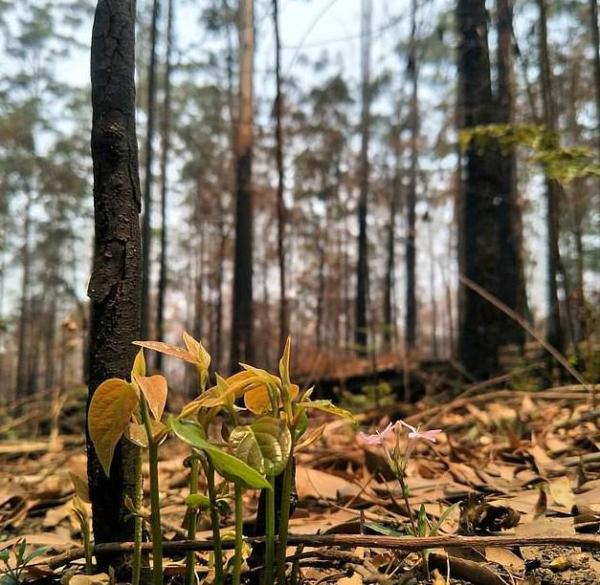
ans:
(133, 410)
(14, 570)
(258, 447)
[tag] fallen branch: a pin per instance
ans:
(406, 543)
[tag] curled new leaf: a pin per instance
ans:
(229, 466)
(328, 406)
(196, 349)
(154, 389)
(264, 445)
(109, 414)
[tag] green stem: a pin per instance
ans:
(284, 517)
(404, 489)
(190, 560)
(209, 471)
(269, 533)
(239, 528)
(157, 560)
(138, 527)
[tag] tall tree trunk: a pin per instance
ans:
(24, 309)
(148, 177)
(362, 268)
(389, 284)
(596, 46)
(242, 313)
(50, 341)
(218, 348)
(283, 319)
(512, 290)
(480, 322)
(410, 332)
(554, 329)
(164, 166)
(114, 288)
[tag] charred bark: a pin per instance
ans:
(114, 288)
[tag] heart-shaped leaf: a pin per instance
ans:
(109, 414)
(154, 389)
(264, 445)
(229, 466)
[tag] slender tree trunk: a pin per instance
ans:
(50, 342)
(283, 320)
(554, 329)
(164, 166)
(512, 282)
(481, 322)
(242, 313)
(114, 287)
(411, 195)
(596, 46)
(24, 302)
(388, 299)
(362, 268)
(148, 177)
(432, 289)
(218, 351)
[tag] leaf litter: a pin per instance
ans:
(514, 463)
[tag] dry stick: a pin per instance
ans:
(406, 543)
(523, 323)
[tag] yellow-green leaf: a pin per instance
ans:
(328, 406)
(265, 445)
(109, 414)
(80, 485)
(139, 364)
(284, 362)
(154, 389)
(257, 399)
(172, 350)
(196, 348)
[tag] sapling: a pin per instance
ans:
(133, 409)
(254, 453)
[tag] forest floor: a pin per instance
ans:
(522, 464)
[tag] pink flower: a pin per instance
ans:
(378, 437)
(416, 434)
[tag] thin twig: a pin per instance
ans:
(407, 543)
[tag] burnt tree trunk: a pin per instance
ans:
(410, 332)
(512, 291)
(164, 165)
(480, 322)
(242, 313)
(596, 47)
(362, 268)
(148, 176)
(24, 309)
(114, 289)
(389, 334)
(553, 190)
(281, 212)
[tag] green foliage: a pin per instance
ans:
(562, 163)
(15, 567)
(379, 394)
